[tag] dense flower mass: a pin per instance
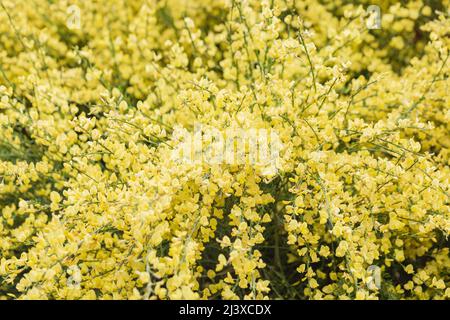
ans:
(95, 203)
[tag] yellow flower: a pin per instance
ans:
(203, 147)
(342, 248)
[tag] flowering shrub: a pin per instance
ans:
(95, 95)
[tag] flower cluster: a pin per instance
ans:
(94, 95)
